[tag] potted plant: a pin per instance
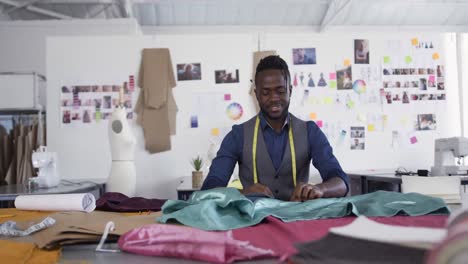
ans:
(197, 174)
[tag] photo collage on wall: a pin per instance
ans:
(86, 104)
(210, 108)
(405, 85)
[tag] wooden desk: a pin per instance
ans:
(8, 193)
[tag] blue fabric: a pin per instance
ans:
(232, 146)
(226, 208)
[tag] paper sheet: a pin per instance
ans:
(445, 187)
(57, 202)
(364, 228)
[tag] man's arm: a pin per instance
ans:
(335, 181)
(226, 158)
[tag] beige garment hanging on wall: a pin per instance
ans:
(156, 107)
(17, 153)
(257, 56)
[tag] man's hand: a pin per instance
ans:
(304, 192)
(258, 188)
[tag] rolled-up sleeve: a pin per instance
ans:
(228, 155)
(322, 155)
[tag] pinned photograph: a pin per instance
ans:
(304, 56)
(107, 102)
(107, 88)
(66, 117)
(86, 116)
(227, 76)
(344, 78)
(188, 72)
(66, 89)
(426, 122)
(96, 89)
(357, 144)
(422, 84)
(357, 136)
(76, 116)
(440, 71)
(405, 98)
(358, 132)
(361, 51)
(440, 84)
(388, 96)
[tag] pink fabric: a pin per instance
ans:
(280, 237)
(189, 243)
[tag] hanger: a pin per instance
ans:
(110, 226)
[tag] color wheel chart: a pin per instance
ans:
(234, 111)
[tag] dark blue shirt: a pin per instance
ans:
(231, 149)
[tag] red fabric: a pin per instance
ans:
(280, 237)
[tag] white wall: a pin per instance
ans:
(23, 43)
(102, 60)
(84, 151)
(69, 60)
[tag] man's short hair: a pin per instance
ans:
(274, 62)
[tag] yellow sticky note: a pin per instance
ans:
(435, 56)
(313, 116)
(371, 127)
(347, 62)
(328, 100)
(386, 59)
(332, 84)
(408, 59)
(414, 41)
(215, 131)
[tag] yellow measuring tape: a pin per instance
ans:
(254, 151)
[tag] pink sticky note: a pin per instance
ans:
(319, 123)
(431, 78)
(227, 97)
(413, 140)
(332, 76)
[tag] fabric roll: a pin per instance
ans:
(257, 56)
(156, 107)
(57, 202)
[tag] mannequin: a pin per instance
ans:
(122, 176)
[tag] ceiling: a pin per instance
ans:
(319, 13)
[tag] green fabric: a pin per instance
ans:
(227, 208)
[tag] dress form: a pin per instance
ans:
(122, 177)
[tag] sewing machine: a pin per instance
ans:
(48, 169)
(446, 151)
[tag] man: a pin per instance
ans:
(268, 163)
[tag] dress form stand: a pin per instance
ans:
(122, 177)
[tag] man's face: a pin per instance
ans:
(273, 93)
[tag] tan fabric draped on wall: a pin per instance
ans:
(156, 107)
